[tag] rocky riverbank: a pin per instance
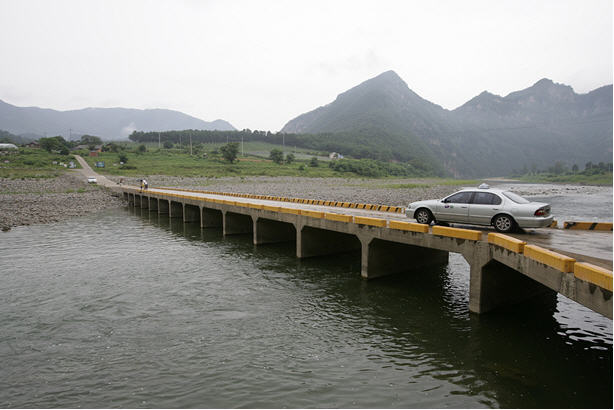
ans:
(44, 200)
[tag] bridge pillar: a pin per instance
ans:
(236, 224)
(153, 204)
(211, 218)
(270, 231)
(176, 210)
(144, 202)
(317, 242)
(493, 284)
(137, 201)
(126, 196)
(130, 199)
(381, 258)
(191, 213)
(163, 206)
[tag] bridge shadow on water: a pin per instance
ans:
(518, 356)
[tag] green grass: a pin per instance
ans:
(33, 163)
(175, 162)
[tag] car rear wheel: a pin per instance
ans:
(423, 216)
(504, 223)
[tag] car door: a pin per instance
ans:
(455, 208)
(483, 206)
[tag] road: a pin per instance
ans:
(87, 171)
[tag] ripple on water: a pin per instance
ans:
(128, 310)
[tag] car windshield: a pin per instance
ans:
(516, 198)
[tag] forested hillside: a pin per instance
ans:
(489, 135)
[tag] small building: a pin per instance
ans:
(93, 153)
(33, 144)
(335, 155)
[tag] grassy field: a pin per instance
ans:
(33, 163)
(174, 162)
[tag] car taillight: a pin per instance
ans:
(541, 212)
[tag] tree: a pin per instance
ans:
(230, 151)
(123, 158)
(574, 168)
(313, 162)
(90, 140)
(277, 156)
(167, 145)
(142, 148)
(53, 143)
(290, 158)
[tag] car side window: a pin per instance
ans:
(460, 198)
(486, 198)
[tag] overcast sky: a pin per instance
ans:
(258, 64)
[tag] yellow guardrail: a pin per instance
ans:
(507, 242)
(588, 226)
(381, 208)
(408, 226)
(593, 274)
(457, 233)
(561, 262)
(364, 220)
(338, 217)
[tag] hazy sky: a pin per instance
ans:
(258, 64)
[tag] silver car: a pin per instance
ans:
(505, 210)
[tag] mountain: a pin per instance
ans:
(488, 135)
(107, 123)
(384, 102)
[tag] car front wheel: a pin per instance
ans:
(423, 216)
(504, 223)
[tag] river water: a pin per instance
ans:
(127, 309)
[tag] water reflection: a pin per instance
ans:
(418, 323)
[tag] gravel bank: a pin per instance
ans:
(35, 201)
(374, 191)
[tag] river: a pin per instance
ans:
(127, 309)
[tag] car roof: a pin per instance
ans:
(492, 190)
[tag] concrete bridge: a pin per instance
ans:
(503, 270)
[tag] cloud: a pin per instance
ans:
(128, 129)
